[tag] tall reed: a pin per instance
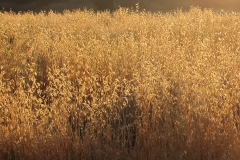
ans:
(121, 85)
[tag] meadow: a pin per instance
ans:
(123, 85)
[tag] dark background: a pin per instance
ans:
(97, 5)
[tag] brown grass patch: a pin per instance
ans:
(126, 85)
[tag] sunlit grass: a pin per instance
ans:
(122, 85)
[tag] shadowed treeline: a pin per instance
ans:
(100, 5)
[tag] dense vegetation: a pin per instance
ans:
(125, 85)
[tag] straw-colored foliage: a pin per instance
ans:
(121, 85)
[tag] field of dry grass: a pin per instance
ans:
(126, 85)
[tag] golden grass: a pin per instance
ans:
(126, 85)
